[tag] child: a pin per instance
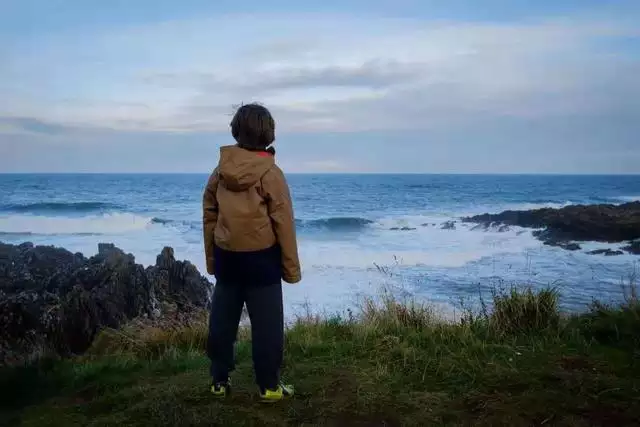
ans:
(250, 245)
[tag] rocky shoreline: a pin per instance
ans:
(53, 301)
(576, 223)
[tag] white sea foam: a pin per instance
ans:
(411, 221)
(340, 268)
(627, 199)
(423, 242)
(116, 223)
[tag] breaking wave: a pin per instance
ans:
(628, 199)
(89, 225)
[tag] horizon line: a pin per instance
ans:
(344, 173)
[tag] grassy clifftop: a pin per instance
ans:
(392, 364)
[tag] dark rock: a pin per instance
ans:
(503, 228)
(613, 253)
(407, 228)
(394, 228)
(568, 246)
(603, 223)
(179, 280)
(25, 267)
(605, 252)
(449, 225)
(553, 240)
(633, 247)
(55, 301)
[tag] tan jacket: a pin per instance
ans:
(247, 207)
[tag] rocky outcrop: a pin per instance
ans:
(560, 227)
(52, 300)
(633, 247)
(605, 252)
(569, 246)
(448, 225)
(500, 228)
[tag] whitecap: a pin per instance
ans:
(94, 224)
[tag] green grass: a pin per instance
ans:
(394, 363)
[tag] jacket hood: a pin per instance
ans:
(240, 169)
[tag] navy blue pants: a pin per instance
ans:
(264, 304)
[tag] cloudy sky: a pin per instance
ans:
(436, 86)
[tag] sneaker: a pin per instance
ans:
(275, 395)
(221, 389)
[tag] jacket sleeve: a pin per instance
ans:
(209, 219)
(280, 208)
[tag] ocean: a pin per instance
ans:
(358, 234)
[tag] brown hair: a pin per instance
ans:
(253, 127)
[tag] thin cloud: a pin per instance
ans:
(29, 125)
